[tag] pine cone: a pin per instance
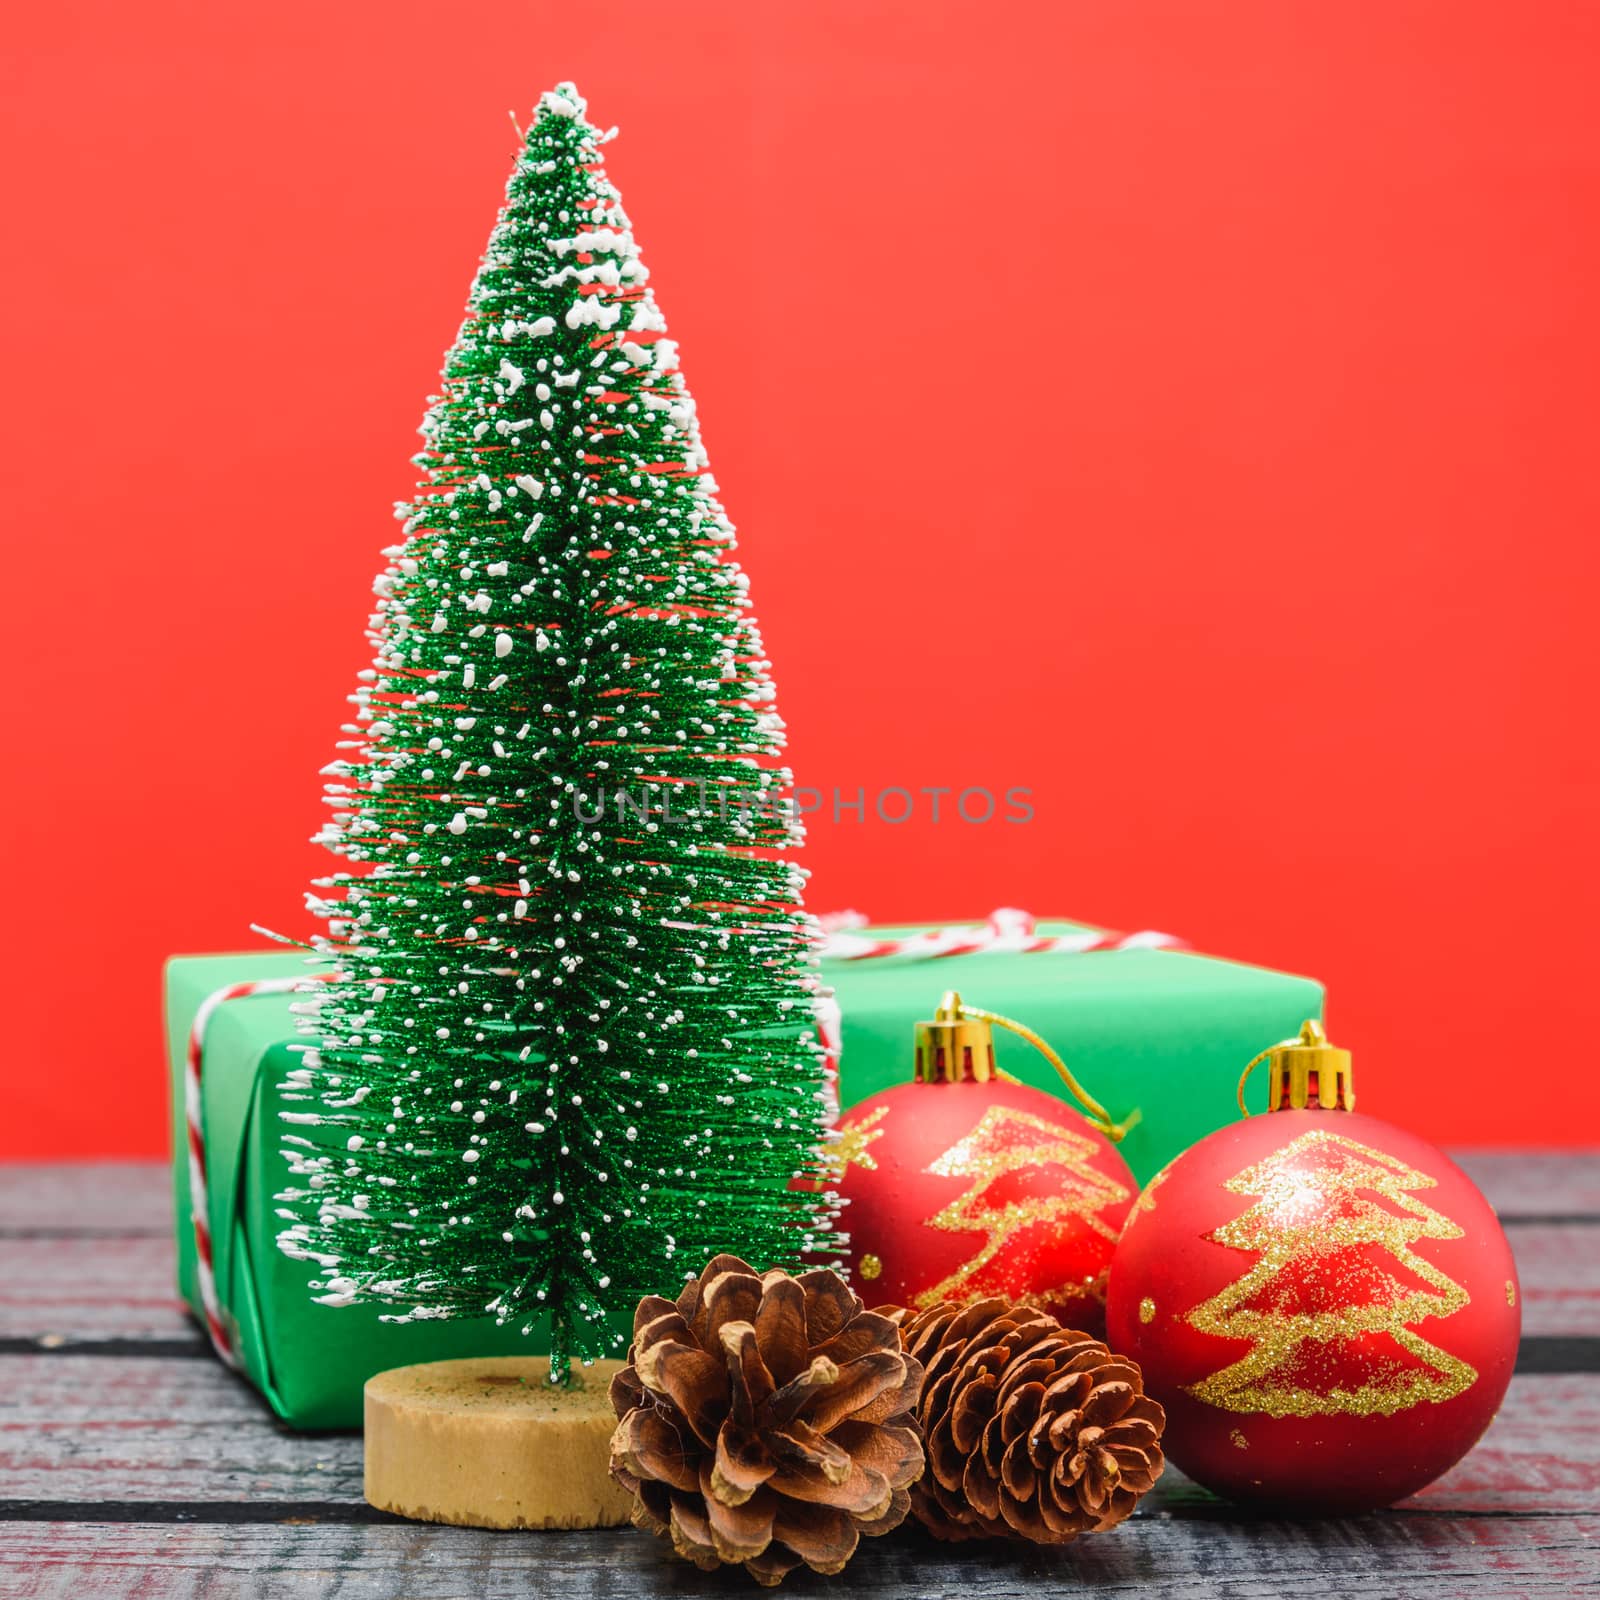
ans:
(766, 1420)
(1033, 1431)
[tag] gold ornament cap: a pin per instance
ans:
(955, 1046)
(1306, 1071)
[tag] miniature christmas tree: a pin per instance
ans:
(569, 1055)
(1327, 1245)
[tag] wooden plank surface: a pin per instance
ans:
(1532, 1183)
(123, 1428)
(1397, 1558)
(131, 1463)
(77, 1287)
(118, 1197)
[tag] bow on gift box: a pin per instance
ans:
(1007, 929)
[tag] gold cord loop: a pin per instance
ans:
(1092, 1109)
(1250, 1066)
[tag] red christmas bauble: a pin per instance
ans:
(1325, 1305)
(966, 1190)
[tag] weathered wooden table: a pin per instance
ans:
(132, 1463)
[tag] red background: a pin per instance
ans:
(1184, 410)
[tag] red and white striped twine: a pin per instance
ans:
(1006, 930)
(194, 1112)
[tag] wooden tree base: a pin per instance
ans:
(490, 1444)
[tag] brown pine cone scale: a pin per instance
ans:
(766, 1420)
(1033, 1431)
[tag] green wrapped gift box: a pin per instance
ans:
(309, 1360)
(1162, 1030)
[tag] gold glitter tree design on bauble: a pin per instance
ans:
(849, 1145)
(1321, 1304)
(1003, 1142)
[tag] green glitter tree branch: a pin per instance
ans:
(572, 1053)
